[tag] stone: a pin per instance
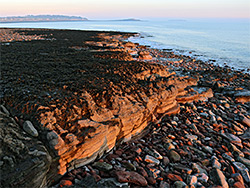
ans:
(87, 181)
(192, 138)
(246, 121)
(157, 155)
(174, 156)
(145, 55)
(208, 149)
(229, 158)
(129, 166)
(202, 177)
(151, 159)
(174, 177)
(154, 153)
(164, 184)
(242, 96)
(131, 177)
(246, 135)
(154, 172)
(237, 177)
(4, 110)
(111, 182)
(191, 180)
(243, 160)
(30, 129)
(243, 170)
(165, 161)
(238, 185)
(169, 146)
(233, 148)
(142, 171)
(218, 178)
(180, 184)
(215, 163)
(103, 166)
(65, 183)
(151, 180)
(233, 139)
(197, 168)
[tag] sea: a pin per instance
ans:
(225, 42)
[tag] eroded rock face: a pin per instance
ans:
(25, 160)
(83, 109)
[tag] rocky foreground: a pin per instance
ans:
(87, 109)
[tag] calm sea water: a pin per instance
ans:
(224, 40)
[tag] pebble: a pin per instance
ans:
(191, 180)
(151, 159)
(202, 177)
(103, 166)
(238, 185)
(180, 184)
(215, 163)
(131, 177)
(243, 170)
(229, 158)
(4, 110)
(218, 178)
(237, 177)
(30, 129)
(65, 183)
(174, 177)
(165, 161)
(174, 156)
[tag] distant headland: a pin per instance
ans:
(51, 18)
(41, 18)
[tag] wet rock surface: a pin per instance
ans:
(87, 94)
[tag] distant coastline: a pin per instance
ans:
(40, 18)
(51, 18)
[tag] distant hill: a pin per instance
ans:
(128, 19)
(40, 18)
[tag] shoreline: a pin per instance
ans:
(238, 62)
(188, 52)
(193, 110)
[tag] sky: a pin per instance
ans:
(104, 9)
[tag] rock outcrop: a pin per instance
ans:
(24, 160)
(80, 105)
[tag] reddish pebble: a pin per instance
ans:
(119, 152)
(132, 177)
(238, 184)
(142, 171)
(231, 169)
(151, 180)
(138, 151)
(225, 148)
(65, 183)
(174, 177)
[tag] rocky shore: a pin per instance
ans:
(88, 109)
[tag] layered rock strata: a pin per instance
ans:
(82, 93)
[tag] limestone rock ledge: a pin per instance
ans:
(79, 123)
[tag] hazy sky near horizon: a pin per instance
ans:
(98, 9)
